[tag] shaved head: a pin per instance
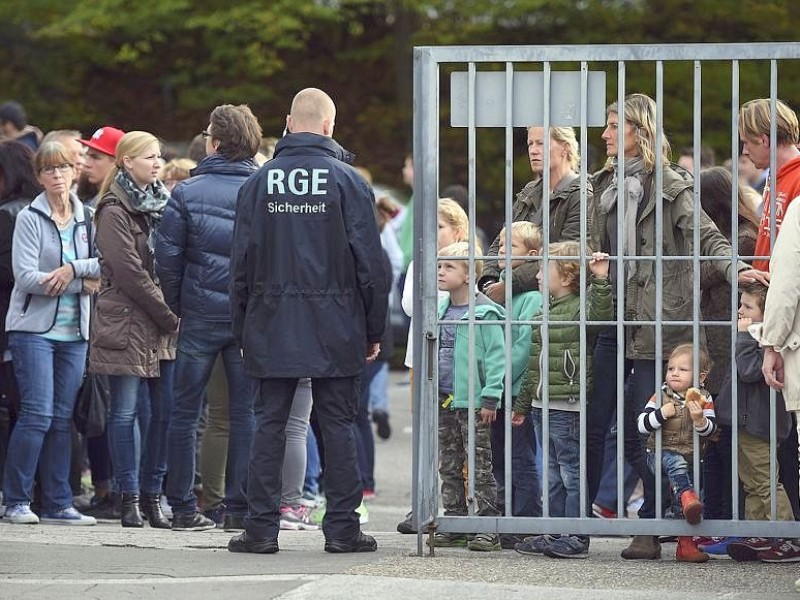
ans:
(312, 111)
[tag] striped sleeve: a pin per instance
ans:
(651, 418)
(711, 418)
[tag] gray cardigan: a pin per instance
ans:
(36, 251)
(753, 394)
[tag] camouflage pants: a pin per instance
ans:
(453, 448)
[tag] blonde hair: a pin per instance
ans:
(177, 169)
(567, 268)
(451, 213)
(529, 233)
(682, 349)
(130, 145)
(566, 136)
(754, 121)
(640, 112)
(51, 154)
(462, 249)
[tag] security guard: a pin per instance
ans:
(308, 299)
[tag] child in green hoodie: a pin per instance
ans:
(454, 384)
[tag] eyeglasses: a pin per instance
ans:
(50, 169)
(205, 134)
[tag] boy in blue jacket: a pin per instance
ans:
(454, 373)
(526, 491)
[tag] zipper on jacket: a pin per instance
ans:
(25, 306)
(570, 368)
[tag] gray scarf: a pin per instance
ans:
(635, 179)
(149, 202)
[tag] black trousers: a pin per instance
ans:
(336, 405)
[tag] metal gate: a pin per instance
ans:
(501, 97)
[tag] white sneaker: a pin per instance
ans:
(68, 516)
(20, 514)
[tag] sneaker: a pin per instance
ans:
(363, 514)
(718, 547)
(444, 539)
(786, 552)
(296, 518)
(747, 550)
(381, 419)
(67, 516)
(317, 515)
(216, 514)
(105, 507)
(568, 546)
(368, 494)
(311, 500)
(20, 514)
(508, 541)
(485, 542)
(535, 544)
(191, 521)
(233, 523)
(360, 542)
(601, 512)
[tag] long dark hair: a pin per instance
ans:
(716, 187)
(18, 176)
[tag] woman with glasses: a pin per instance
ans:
(48, 329)
(134, 331)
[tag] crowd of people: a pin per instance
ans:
(244, 296)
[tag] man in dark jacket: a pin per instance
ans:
(308, 299)
(193, 264)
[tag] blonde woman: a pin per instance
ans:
(565, 206)
(176, 171)
(133, 334)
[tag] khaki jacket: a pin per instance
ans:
(781, 327)
(678, 276)
(132, 328)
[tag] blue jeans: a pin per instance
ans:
(526, 488)
(49, 375)
(677, 470)
(378, 389)
(362, 429)
(313, 467)
(128, 455)
(199, 343)
(564, 460)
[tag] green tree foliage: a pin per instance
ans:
(161, 65)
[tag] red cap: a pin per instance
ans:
(105, 140)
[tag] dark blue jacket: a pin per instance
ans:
(195, 236)
(308, 285)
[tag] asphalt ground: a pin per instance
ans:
(108, 562)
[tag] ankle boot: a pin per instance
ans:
(151, 509)
(688, 551)
(692, 507)
(131, 517)
(643, 547)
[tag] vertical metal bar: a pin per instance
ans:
(426, 174)
(583, 252)
(621, 280)
(658, 172)
(734, 290)
(773, 231)
(698, 95)
(545, 372)
(471, 499)
(509, 327)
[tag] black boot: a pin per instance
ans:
(131, 517)
(151, 508)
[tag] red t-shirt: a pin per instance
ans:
(788, 184)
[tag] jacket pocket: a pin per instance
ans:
(112, 326)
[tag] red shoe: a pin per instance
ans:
(368, 495)
(689, 552)
(601, 512)
(692, 507)
(788, 551)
